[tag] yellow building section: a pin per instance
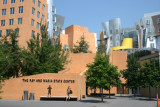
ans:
(126, 44)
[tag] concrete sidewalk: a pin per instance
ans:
(118, 101)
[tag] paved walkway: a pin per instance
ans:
(119, 101)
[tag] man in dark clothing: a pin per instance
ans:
(68, 93)
(49, 90)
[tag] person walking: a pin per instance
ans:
(49, 90)
(68, 93)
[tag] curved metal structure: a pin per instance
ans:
(111, 32)
(51, 17)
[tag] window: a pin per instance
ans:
(117, 43)
(111, 38)
(43, 8)
(37, 25)
(38, 34)
(2, 22)
(32, 22)
(104, 32)
(103, 42)
(151, 38)
(17, 31)
(7, 32)
(118, 37)
(12, 10)
(116, 30)
(53, 9)
(4, 2)
(43, 18)
(11, 21)
(66, 47)
(33, 11)
(0, 33)
(21, 0)
(158, 21)
(33, 34)
(39, 3)
(110, 31)
(148, 22)
(151, 45)
(34, 1)
(149, 30)
(12, 1)
(16, 42)
(21, 9)
(3, 12)
(19, 20)
(159, 29)
(54, 18)
(38, 13)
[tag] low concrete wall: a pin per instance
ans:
(145, 92)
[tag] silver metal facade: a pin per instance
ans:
(146, 28)
(112, 31)
(55, 22)
(51, 17)
(130, 33)
(58, 27)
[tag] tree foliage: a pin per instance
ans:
(150, 75)
(132, 74)
(101, 74)
(81, 47)
(10, 55)
(139, 54)
(137, 75)
(42, 56)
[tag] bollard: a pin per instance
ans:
(157, 101)
(25, 95)
(31, 96)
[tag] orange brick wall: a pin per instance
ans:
(64, 38)
(75, 32)
(14, 88)
(119, 59)
(25, 29)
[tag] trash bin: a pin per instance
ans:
(25, 95)
(31, 96)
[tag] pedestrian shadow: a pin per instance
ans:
(110, 98)
(145, 99)
(93, 101)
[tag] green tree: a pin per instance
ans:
(10, 55)
(100, 50)
(101, 74)
(81, 47)
(132, 74)
(151, 75)
(42, 56)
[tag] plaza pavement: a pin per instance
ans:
(118, 101)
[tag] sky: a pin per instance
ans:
(91, 13)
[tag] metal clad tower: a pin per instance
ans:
(51, 17)
(111, 32)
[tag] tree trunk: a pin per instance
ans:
(109, 92)
(102, 94)
(134, 92)
(149, 91)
